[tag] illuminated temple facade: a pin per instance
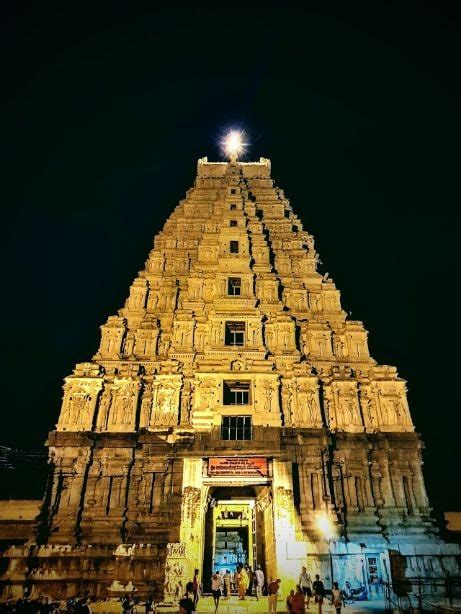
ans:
(232, 414)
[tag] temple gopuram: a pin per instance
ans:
(231, 415)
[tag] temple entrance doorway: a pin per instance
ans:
(238, 530)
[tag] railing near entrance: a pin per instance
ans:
(423, 594)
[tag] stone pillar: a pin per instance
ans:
(288, 551)
(191, 532)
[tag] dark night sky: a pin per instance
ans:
(106, 112)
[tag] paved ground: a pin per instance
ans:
(250, 605)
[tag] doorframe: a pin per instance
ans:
(209, 482)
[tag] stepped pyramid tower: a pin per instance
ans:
(232, 414)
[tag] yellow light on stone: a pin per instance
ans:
(233, 144)
(325, 526)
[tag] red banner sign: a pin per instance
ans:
(238, 466)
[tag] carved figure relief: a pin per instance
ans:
(183, 334)
(165, 400)
(111, 337)
(194, 291)
(268, 393)
(208, 289)
(146, 339)
(176, 550)
(269, 334)
(186, 401)
(123, 409)
(128, 344)
(350, 407)
(284, 501)
(305, 343)
(315, 301)
(287, 396)
(105, 403)
(191, 505)
(166, 403)
(328, 406)
(206, 392)
(369, 409)
(340, 346)
(79, 404)
(164, 344)
(308, 409)
(138, 292)
(390, 411)
(146, 406)
(200, 337)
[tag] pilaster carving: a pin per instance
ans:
(112, 334)
(183, 332)
(124, 398)
(307, 403)
(138, 294)
(79, 403)
(146, 339)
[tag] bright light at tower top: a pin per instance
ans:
(233, 144)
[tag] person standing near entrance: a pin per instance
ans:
(227, 584)
(250, 580)
(216, 584)
(196, 588)
(259, 582)
(272, 592)
(319, 592)
(305, 583)
(242, 582)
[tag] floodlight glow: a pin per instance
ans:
(325, 526)
(233, 144)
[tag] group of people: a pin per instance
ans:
(296, 602)
(221, 586)
(42, 605)
(133, 605)
(244, 580)
(80, 604)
